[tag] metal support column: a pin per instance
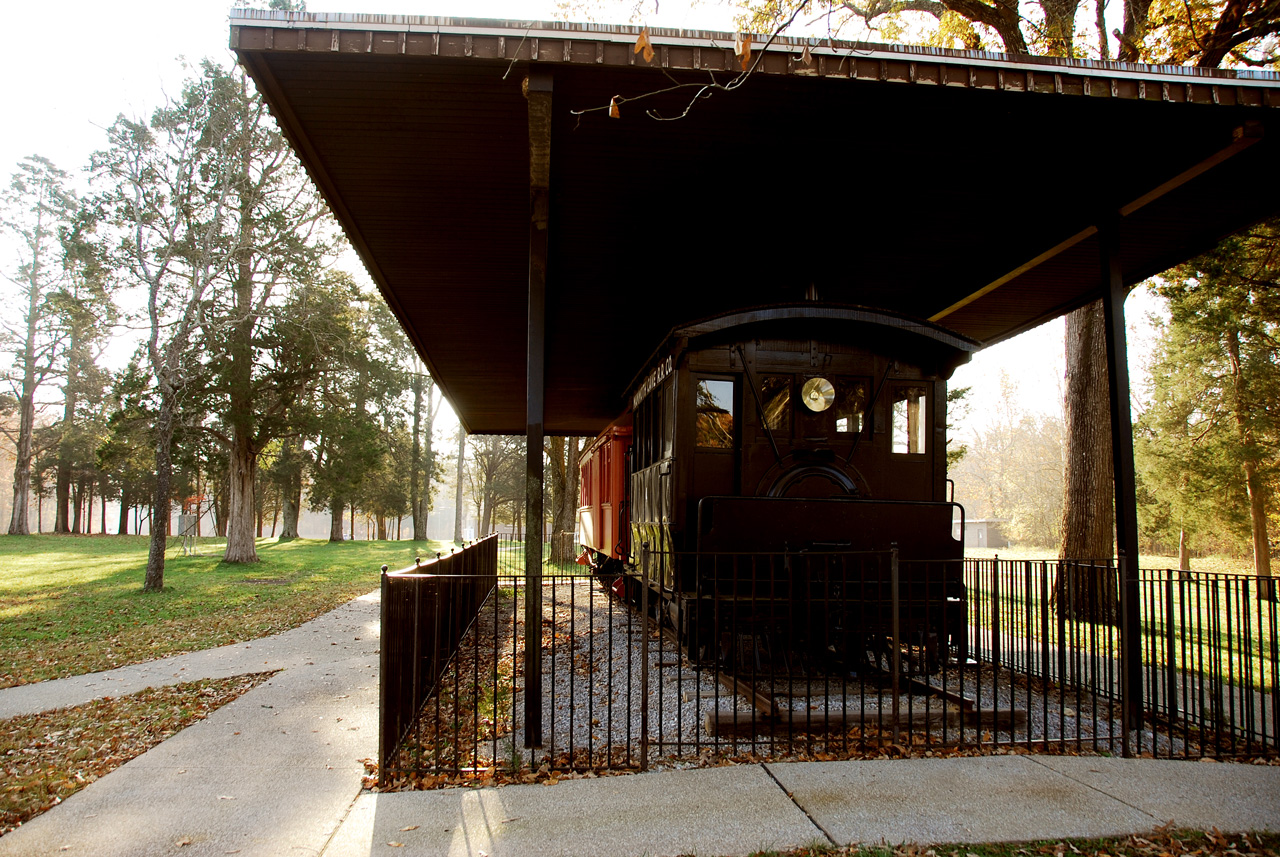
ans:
(537, 89)
(1113, 295)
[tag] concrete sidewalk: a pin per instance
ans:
(742, 809)
(277, 772)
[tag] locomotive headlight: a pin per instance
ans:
(818, 394)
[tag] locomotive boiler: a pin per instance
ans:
(785, 467)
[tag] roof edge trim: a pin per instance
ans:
(256, 18)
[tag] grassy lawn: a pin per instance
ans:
(74, 604)
(1206, 564)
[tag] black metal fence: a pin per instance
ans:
(1210, 669)
(559, 552)
(427, 610)
(831, 655)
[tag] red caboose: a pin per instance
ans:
(602, 513)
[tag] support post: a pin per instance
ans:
(537, 90)
(1113, 295)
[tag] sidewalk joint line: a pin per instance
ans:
(792, 797)
(1118, 800)
(341, 822)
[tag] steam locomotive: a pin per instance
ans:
(785, 466)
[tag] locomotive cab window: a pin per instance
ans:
(909, 416)
(851, 405)
(715, 414)
(775, 393)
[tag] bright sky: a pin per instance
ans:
(73, 66)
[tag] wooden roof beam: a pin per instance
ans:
(1242, 138)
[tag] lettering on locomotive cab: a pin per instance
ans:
(653, 379)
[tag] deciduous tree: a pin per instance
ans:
(166, 185)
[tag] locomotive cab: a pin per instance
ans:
(791, 429)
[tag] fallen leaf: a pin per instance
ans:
(613, 108)
(742, 49)
(410, 827)
(182, 842)
(395, 844)
(643, 46)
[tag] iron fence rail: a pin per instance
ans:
(427, 610)
(826, 655)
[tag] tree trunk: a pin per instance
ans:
(241, 475)
(126, 500)
(1100, 21)
(77, 504)
(1060, 26)
(66, 451)
(382, 528)
(62, 485)
(1184, 551)
(1252, 480)
(415, 464)
(154, 581)
(353, 522)
(556, 486)
(88, 515)
(292, 493)
(457, 491)
(19, 523)
(573, 486)
(220, 502)
(1136, 17)
(1089, 591)
(336, 510)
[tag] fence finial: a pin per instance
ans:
(384, 569)
(417, 560)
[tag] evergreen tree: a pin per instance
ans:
(35, 210)
(1213, 428)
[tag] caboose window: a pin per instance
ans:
(775, 391)
(908, 420)
(715, 414)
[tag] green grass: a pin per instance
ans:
(74, 604)
(1206, 613)
(1208, 564)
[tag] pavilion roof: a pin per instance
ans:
(965, 188)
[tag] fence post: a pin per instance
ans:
(997, 650)
(897, 647)
(1171, 651)
(644, 656)
(386, 736)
